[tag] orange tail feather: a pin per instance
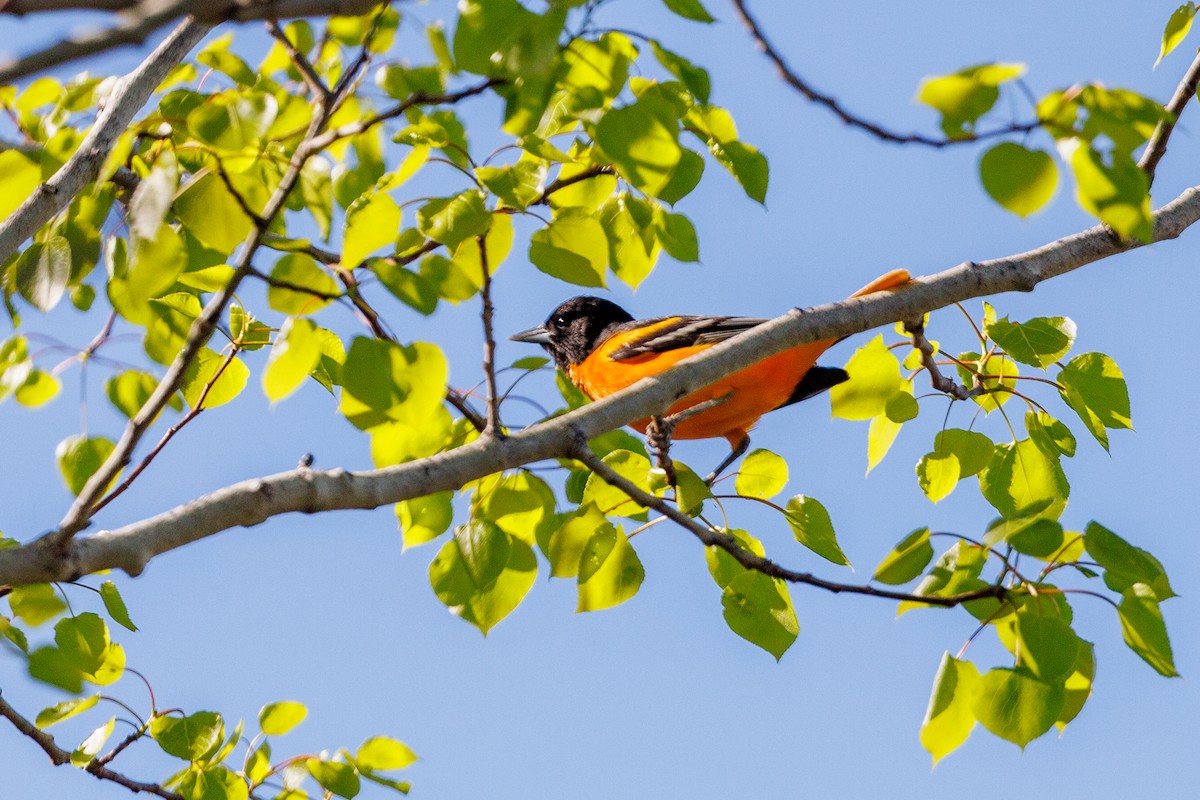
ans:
(892, 280)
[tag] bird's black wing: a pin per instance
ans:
(683, 332)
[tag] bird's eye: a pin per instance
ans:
(560, 321)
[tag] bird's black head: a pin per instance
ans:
(575, 328)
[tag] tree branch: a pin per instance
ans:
(710, 537)
(59, 756)
(140, 19)
(127, 98)
(803, 87)
(1156, 148)
(489, 343)
(252, 502)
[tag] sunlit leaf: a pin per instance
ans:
(812, 528)
(948, 717)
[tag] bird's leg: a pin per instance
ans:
(658, 437)
(739, 447)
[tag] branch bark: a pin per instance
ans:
(252, 502)
(130, 94)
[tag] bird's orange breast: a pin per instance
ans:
(748, 394)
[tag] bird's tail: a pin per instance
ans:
(892, 280)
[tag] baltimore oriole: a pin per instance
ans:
(603, 349)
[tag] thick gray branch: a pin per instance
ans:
(251, 502)
(130, 94)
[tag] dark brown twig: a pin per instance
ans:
(714, 538)
(937, 380)
(489, 344)
(796, 82)
(593, 171)
(59, 756)
(299, 61)
(1157, 146)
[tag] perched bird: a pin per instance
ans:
(603, 349)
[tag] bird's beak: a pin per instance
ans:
(539, 335)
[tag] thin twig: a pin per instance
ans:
(168, 436)
(1157, 146)
(593, 171)
(831, 103)
(489, 343)
(713, 538)
(939, 381)
(59, 756)
(300, 61)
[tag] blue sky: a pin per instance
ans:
(657, 698)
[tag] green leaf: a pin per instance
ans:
(572, 248)
(423, 519)
(689, 9)
(517, 185)
(483, 573)
(684, 178)
(762, 474)
(1039, 342)
(596, 72)
(453, 220)
(759, 609)
(1177, 28)
(19, 177)
(276, 719)
(1048, 646)
(188, 737)
(937, 474)
(384, 381)
(155, 264)
(956, 570)
(695, 78)
(1144, 630)
(64, 710)
(609, 499)
(1020, 475)
(965, 96)
(335, 776)
(1078, 686)
(567, 543)
(677, 235)
(610, 571)
(1053, 437)
(152, 198)
(906, 560)
(115, 606)
(80, 456)
(1094, 388)
(233, 120)
(47, 664)
(294, 355)
(902, 406)
(948, 717)
(746, 164)
(997, 374)
(300, 270)
(485, 29)
(722, 565)
(384, 753)
(1021, 180)
(42, 272)
(372, 222)
(90, 747)
(38, 389)
(874, 378)
(213, 782)
(210, 367)
(1119, 195)
(1015, 705)
(644, 148)
(881, 433)
(83, 641)
(1125, 565)
(972, 449)
(36, 603)
(632, 247)
(518, 502)
(812, 528)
